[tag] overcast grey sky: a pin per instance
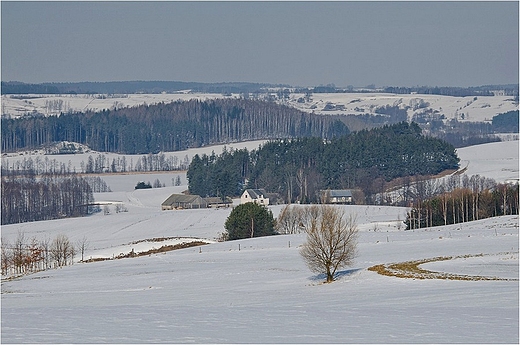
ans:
(296, 43)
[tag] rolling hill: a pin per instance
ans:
(259, 290)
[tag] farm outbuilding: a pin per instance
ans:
(337, 196)
(180, 201)
(216, 202)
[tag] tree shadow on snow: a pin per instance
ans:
(339, 275)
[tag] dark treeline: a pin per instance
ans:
(459, 199)
(169, 127)
(465, 133)
(23, 88)
(27, 199)
(506, 122)
(456, 91)
(462, 134)
(298, 169)
(485, 90)
(114, 87)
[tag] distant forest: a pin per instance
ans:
(485, 90)
(506, 122)
(122, 87)
(298, 169)
(169, 127)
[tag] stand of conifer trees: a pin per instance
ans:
(298, 169)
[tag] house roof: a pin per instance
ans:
(256, 193)
(217, 200)
(340, 193)
(183, 199)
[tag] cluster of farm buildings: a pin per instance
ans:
(259, 196)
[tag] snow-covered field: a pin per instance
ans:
(483, 108)
(264, 293)
(470, 108)
(493, 160)
(48, 104)
(75, 161)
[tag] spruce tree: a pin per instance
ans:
(249, 220)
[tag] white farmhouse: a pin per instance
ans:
(258, 196)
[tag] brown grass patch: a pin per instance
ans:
(162, 249)
(411, 269)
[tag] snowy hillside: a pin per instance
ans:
(498, 161)
(470, 108)
(48, 104)
(74, 161)
(494, 160)
(263, 293)
(259, 290)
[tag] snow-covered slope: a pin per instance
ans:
(498, 161)
(470, 109)
(481, 108)
(494, 160)
(78, 161)
(263, 293)
(48, 104)
(259, 290)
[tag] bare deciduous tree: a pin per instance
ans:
(331, 240)
(62, 251)
(290, 220)
(6, 256)
(82, 245)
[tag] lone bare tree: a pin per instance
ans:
(82, 245)
(331, 240)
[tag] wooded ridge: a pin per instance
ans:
(298, 169)
(170, 126)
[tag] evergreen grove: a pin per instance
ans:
(297, 169)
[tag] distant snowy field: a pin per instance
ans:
(498, 161)
(48, 104)
(75, 160)
(483, 108)
(475, 109)
(264, 293)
